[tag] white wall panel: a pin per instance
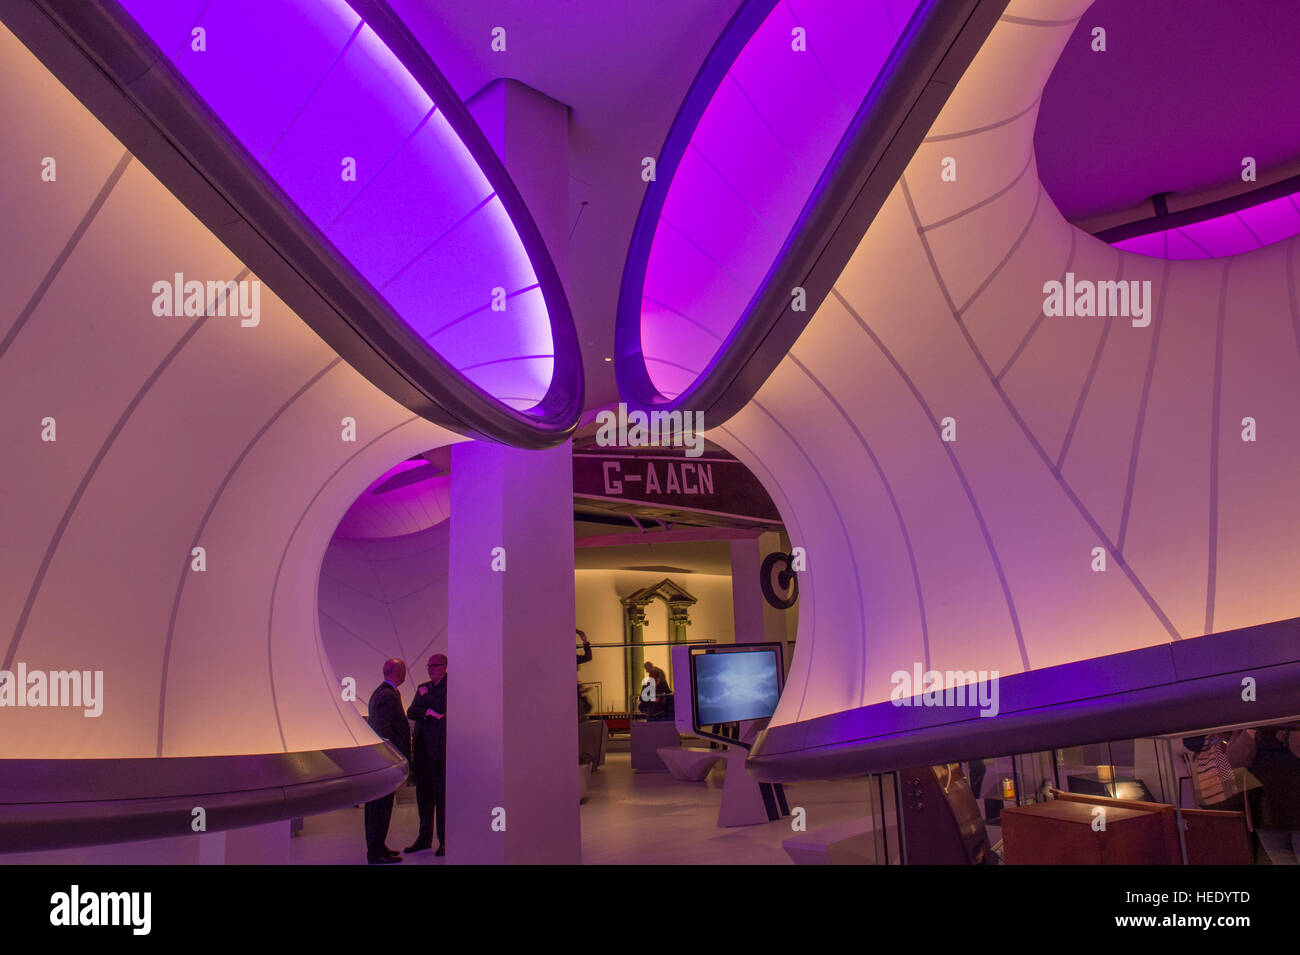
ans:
(171, 432)
(1073, 433)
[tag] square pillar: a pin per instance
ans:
(756, 621)
(267, 844)
(512, 730)
(530, 132)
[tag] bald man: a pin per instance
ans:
(429, 711)
(387, 719)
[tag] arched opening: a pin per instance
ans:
(383, 579)
(677, 603)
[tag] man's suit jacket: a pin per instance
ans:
(387, 719)
(430, 732)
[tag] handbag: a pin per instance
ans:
(1216, 780)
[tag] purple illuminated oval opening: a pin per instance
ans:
(1174, 143)
(341, 125)
(408, 498)
(742, 174)
(1232, 233)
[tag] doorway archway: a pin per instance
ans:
(679, 602)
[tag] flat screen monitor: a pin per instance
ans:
(733, 685)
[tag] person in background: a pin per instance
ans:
(385, 716)
(429, 711)
(1272, 754)
(656, 694)
(660, 679)
(584, 656)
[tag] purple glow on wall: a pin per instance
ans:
(1169, 108)
(1243, 231)
(751, 165)
(397, 511)
(305, 85)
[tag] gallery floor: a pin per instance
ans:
(630, 818)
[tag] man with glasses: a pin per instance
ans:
(429, 711)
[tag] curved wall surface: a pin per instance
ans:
(134, 438)
(1073, 438)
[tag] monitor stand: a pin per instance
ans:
(745, 801)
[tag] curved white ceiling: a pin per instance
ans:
(172, 433)
(1072, 433)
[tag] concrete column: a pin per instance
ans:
(512, 730)
(755, 619)
(774, 620)
(267, 844)
(530, 132)
(512, 738)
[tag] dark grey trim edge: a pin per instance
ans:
(1169, 688)
(933, 52)
(108, 63)
(64, 803)
(1195, 214)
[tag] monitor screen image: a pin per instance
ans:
(741, 685)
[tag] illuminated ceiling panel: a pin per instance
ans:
(406, 499)
(1213, 237)
(379, 155)
(1167, 142)
(749, 155)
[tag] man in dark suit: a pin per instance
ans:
(387, 719)
(429, 711)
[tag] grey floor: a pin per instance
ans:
(629, 818)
